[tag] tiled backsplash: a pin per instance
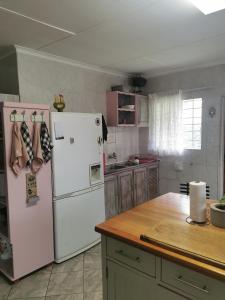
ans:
(122, 141)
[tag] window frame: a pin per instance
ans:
(192, 124)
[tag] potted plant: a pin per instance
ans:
(218, 213)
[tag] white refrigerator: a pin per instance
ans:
(78, 181)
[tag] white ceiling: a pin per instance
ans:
(151, 36)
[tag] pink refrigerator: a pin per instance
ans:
(26, 225)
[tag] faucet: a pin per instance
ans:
(112, 156)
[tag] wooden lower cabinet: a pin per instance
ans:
(125, 283)
(140, 186)
(125, 187)
(153, 181)
(111, 196)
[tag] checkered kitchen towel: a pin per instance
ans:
(46, 143)
(27, 141)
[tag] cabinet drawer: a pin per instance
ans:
(134, 257)
(192, 282)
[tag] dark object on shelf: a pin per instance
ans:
(138, 82)
(104, 130)
(117, 88)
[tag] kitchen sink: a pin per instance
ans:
(117, 167)
(120, 166)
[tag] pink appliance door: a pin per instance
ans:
(76, 148)
(30, 226)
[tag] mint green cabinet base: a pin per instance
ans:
(127, 284)
(130, 273)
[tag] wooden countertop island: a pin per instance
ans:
(189, 259)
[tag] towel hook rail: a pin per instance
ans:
(14, 112)
(42, 117)
(23, 114)
(34, 114)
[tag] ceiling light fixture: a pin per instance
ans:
(209, 6)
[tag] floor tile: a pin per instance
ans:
(66, 297)
(65, 283)
(93, 296)
(92, 281)
(33, 286)
(95, 249)
(47, 269)
(32, 298)
(72, 265)
(5, 287)
(92, 260)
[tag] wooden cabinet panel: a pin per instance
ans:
(111, 196)
(140, 186)
(130, 188)
(127, 284)
(143, 113)
(153, 181)
(125, 188)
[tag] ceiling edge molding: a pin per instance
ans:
(150, 75)
(67, 61)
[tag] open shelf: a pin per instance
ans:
(6, 267)
(2, 201)
(3, 218)
(126, 109)
(121, 109)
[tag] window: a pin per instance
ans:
(192, 123)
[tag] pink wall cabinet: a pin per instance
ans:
(121, 109)
(142, 111)
(26, 227)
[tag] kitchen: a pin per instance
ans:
(37, 71)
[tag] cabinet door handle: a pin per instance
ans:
(122, 253)
(203, 289)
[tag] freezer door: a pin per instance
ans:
(75, 220)
(77, 146)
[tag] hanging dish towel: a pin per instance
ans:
(19, 157)
(104, 129)
(46, 143)
(37, 151)
(27, 141)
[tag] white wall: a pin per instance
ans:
(198, 165)
(84, 91)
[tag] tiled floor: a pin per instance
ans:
(79, 278)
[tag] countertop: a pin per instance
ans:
(201, 248)
(128, 167)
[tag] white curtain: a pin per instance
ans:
(165, 124)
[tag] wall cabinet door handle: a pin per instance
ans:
(122, 253)
(202, 289)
